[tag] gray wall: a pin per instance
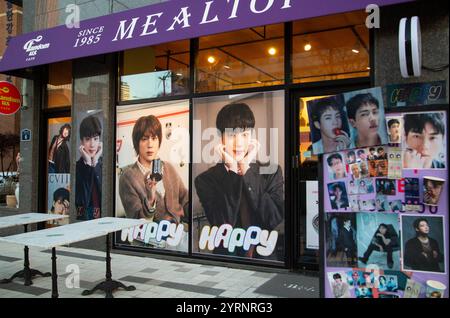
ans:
(42, 14)
(435, 41)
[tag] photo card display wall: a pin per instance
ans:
(386, 211)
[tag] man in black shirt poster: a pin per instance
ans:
(385, 239)
(236, 191)
(422, 253)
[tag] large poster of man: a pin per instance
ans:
(153, 173)
(347, 121)
(58, 166)
(424, 140)
(365, 114)
(238, 182)
(379, 243)
(88, 181)
(423, 243)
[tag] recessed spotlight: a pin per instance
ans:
(227, 67)
(211, 59)
(355, 51)
(259, 82)
(308, 47)
(368, 67)
(272, 51)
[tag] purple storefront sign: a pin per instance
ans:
(165, 22)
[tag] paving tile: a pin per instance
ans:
(9, 259)
(193, 288)
(29, 290)
(149, 270)
(210, 273)
(207, 284)
(182, 270)
(135, 279)
(230, 294)
(263, 274)
(141, 280)
(153, 278)
(77, 255)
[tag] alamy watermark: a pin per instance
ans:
(73, 17)
(373, 17)
(73, 279)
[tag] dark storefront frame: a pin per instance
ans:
(292, 92)
(292, 201)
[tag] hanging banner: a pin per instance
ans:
(10, 99)
(88, 179)
(58, 168)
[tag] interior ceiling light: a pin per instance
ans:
(272, 51)
(227, 67)
(308, 47)
(211, 59)
(356, 51)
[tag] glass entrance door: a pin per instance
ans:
(306, 205)
(307, 220)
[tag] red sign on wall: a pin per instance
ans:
(9, 99)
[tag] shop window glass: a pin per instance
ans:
(238, 175)
(155, 71)
(59, 87)
(246, 58)
(162, 127)
(331, 48)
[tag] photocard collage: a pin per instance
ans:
(385, 198)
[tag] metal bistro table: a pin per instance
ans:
(77, 232)
(26, 219)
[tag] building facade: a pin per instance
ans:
(174, 97)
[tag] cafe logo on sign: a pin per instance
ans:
(33, 46)
(9, 99)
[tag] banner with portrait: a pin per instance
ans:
(88, 178)
(238, 176)
(58, 166)
(386, 212)
(152, 174)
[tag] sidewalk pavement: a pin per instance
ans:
(153, 278)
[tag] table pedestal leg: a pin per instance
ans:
(27, 273)
(54, 275)
(108, 286)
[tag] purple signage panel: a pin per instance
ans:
(386, 214)
(165, 22)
